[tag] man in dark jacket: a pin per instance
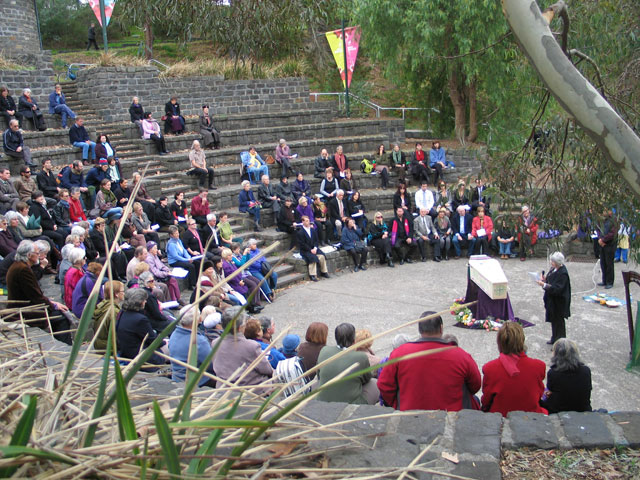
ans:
(402, 236)
(58, 104)
(123, 192)
(164, 217)
(461, 226)
(307, 239)
(91, 37)
(208, 231)
(47, 180)
(49, 228)
(79, 138)
(13, 143)
(607, 240)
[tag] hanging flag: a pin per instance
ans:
(352, 39)
(108, 9)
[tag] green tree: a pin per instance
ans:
(427, 45)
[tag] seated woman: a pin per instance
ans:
(239, 258)
(232, 295)
(178, 256)
(527, 232)
(208, 280)
(402, 199)
(239, 284)
(142, 224)
(133, 329)
(315, 340)
(160, 271)
(259, 269)
(357, 210)
(300, 187)
(151, 130)
(461, 197)
(199, 167)
(136, 113)
(107, 311)
(84, 288)
(180, 345)
(505, 239)
(286, 219)
(152, 309)
(329, 185)
(174, 121)
(340, 163)
(380, 165)
(225, 232)
(443, 198)
(352, 243)
(247, 203)
(445, 232)
(8, 108)
(104, 149)
(106, 202)
(482, 229)
(77, 260)
(210, 135)
(321, 219)
(284, 156)
(28, 108)
(398, 163)
(568, 380)
(179, 209)
(348, 183)
(380, 239)
(438, 161)
(420, 165)
(367, 348)
(513, 381)
(115, 175)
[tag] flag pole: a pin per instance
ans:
(103, 18)
(346, 71)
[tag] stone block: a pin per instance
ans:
(531, 430)
(478, 432)
(630, 424)
(423, 426)
(586, 430)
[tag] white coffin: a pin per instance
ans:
(488, 275)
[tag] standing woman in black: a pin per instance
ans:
(557, 297)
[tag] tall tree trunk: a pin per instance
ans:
(473, 112)
(148, 39)
(576, 95)
(456, 94)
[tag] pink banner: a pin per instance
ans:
(352, 40)
(108, 9)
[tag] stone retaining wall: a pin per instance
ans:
(18, 30)
(110, 89)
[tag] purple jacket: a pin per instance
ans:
(308, 211)
(228, 269)
(81, 293)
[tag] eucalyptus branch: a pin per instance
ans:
(474, 52)
(559, 8)
(583, 56)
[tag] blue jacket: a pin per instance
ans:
(255, 267)
(438, 155)
(95, 176)
(78, 134)
(70, 179)
(179, 349)
(176, 251)
(244, 198)
(53, 101)
(274, 355)
(349, 237)
(245, 157)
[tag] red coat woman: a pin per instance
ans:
(513, 381)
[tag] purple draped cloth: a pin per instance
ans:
(498, 309)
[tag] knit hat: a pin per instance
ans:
(289, 344)
(103, 161)
(151, 244)
(212, 320)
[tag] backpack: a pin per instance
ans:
(61, 173)
(366, 166)
(288, 370)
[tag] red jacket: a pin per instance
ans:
(520, 391)
(533, 228)
(71, 279)
(440, 381)
(199, 207)
(75, 211)
(487, 225)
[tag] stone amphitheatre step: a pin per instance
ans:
(252, 120)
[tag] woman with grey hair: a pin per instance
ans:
(159, 320)
(133, 328)
(557, 296)
(568, 380)
(28, 108)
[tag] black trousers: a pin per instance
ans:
(437, 173)
(607, 254)
(382, 246)
(159, 141)
(203, 175)
(359, 256)
(422, 246)
(422, 173)
(92, 41)
(403, 249)
(558, 325)
(384, 175)
(192, 268)
(482, 245)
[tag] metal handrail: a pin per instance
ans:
(159, 63)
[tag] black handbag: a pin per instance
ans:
(265, 268)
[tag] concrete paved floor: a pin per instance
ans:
(381, 298)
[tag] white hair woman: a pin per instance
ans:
(557, 296)
(77, 259)
(28, 108)
(199, 167)
(568, 380)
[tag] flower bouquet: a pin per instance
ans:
(465, 318)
